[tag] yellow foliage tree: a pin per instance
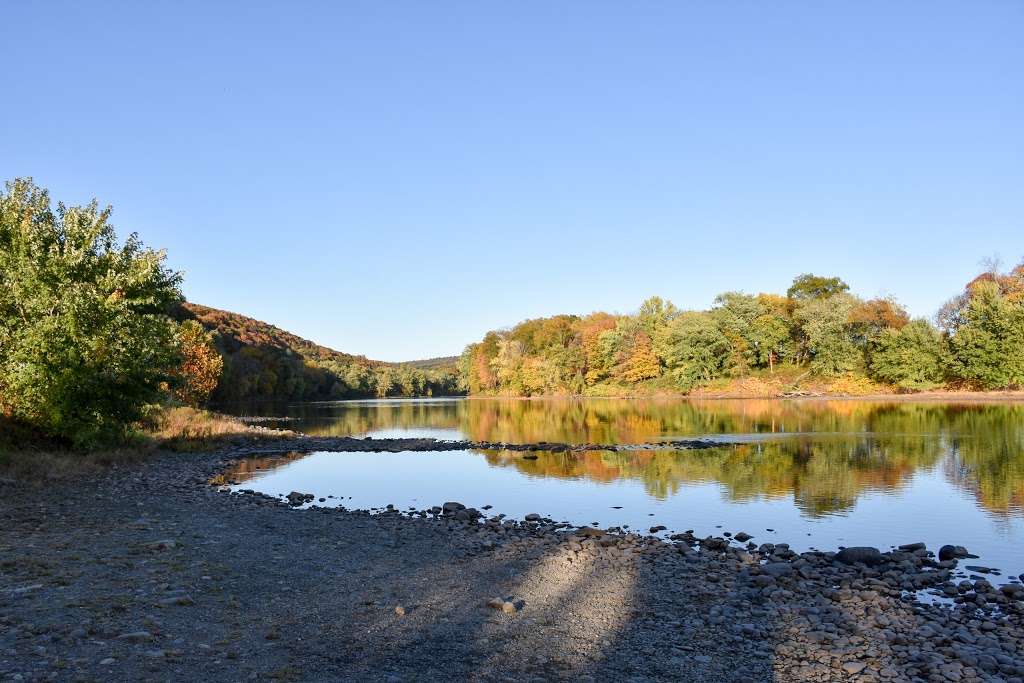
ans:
(200, 367)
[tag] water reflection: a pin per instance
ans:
(832, 453)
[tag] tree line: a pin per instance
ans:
(817, 329)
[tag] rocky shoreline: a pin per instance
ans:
(150, 573)
(300, 443)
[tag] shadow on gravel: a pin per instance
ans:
(583, 616)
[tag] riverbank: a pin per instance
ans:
(147, 572)
(947, 396)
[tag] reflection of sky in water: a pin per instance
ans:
(926, 507)
(846, 472)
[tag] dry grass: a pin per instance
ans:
(27, 456)
(189, 429)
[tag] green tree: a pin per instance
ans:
(988, 345)
(913, 357)
(809, 286)
(770, 335)
(736, 314)
(824, 326)
(85, 339)
(696, 349)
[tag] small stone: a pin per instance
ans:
(743, 537)
(532, 517)
(496, 603)
(165, 544)
(107, 662)
(853, 668)
(508, 607)
(400, 611)
(181, 600)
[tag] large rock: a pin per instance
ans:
(712, 543)
(952, 552)
(862, 554)
(296, 498)
(451, 507)
(468, 515)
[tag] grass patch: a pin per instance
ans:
(28, 456)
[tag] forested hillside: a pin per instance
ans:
(262, 361)
(818, 334)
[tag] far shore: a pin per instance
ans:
(949, 396)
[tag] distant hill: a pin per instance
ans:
(433, 363)
(262, 361)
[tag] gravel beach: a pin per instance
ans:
(150, 573)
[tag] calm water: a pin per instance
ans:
(810, 473)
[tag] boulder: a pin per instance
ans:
(953, 552)
(712, 543)
(860, 554)
(296, 498)
(451, 507)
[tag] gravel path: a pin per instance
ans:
(149, 573)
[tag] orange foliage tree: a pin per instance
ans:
(199, 371)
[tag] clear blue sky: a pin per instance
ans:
(396, 178)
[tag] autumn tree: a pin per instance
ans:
(590, 328)
(642, 362)
(197, 374)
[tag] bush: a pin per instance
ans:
(85, 341)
